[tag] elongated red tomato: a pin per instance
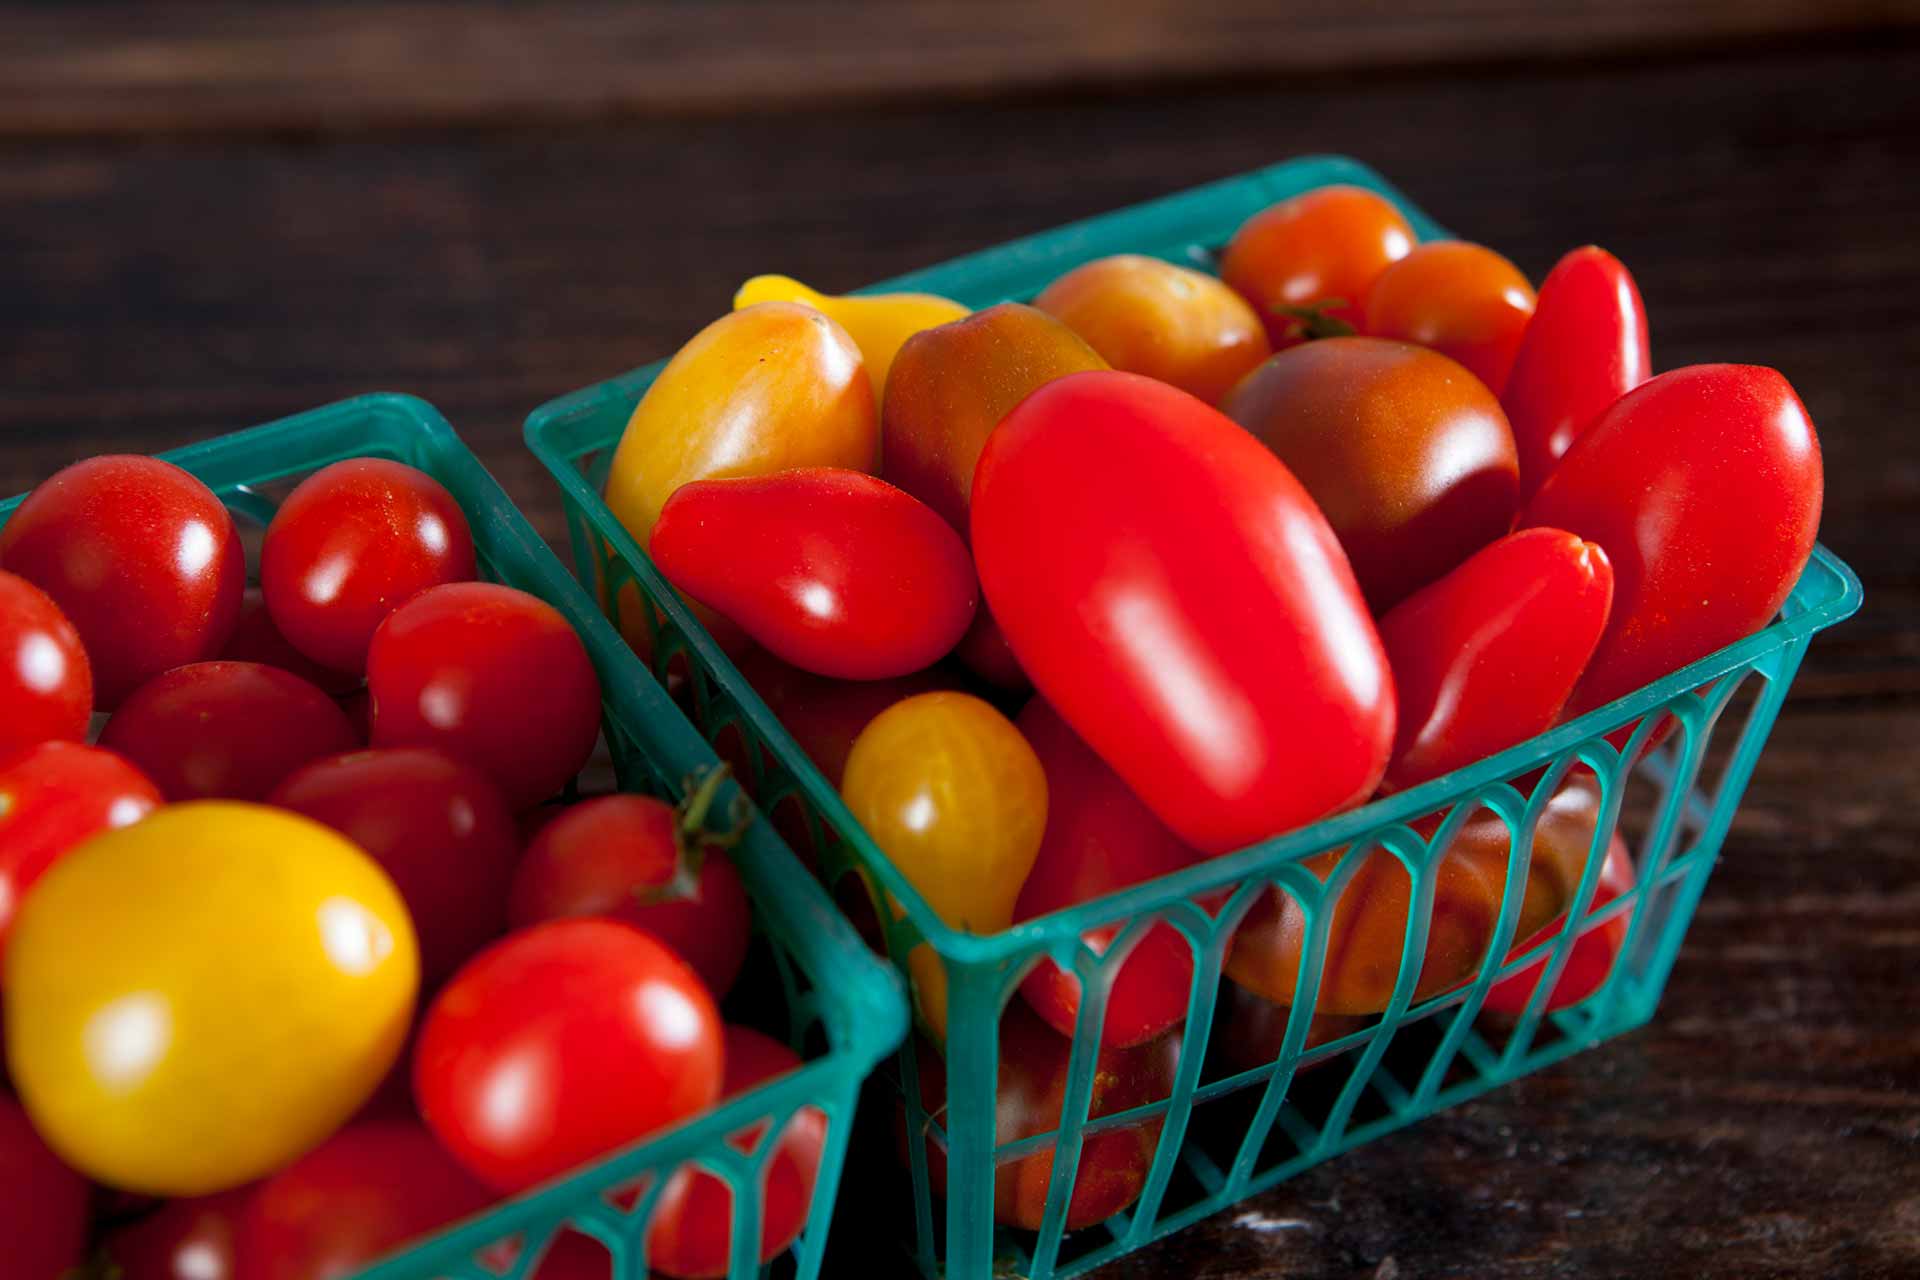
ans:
(1486, 656)
(1101, 838)
(832, 570)
(1585, 347)
(1591, 957)
(1180, 601)
(1704, 487)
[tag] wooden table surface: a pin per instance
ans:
(202, 229)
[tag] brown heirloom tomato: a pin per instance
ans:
(1032, 1089)
(1406, 453)
(1148, 316)
(1368, 929)
(952, 384)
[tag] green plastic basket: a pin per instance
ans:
(1262, 1125)
(842, 1008)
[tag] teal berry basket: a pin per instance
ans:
(1227, 1129)
(819, 986)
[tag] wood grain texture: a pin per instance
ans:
(1767, 1124)
(124, 67)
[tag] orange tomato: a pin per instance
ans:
(1463, 300)
(1167, 322)
(1310, 260)
(1368, 930)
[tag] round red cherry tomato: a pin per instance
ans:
(1306, 263)
(192, 1239)
(257, 639)
(43, 1207)
(46, 683)
(1101, 838)
(353, 543)
(142, 559)
(491, 675)
(1585, 347)
(1704, 487)
(1032, 1089)
(835, 571)
(362, 1194)
(1406, 454)
(1486, 657)
(521, 1085)
(692, 1229)
(226, 730)
(641, 860)
(436, 825)
(1179, 599)
(1591, 958)
(53, 796)
(1462, 300)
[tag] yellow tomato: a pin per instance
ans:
(195, 1000)
(955, 797)
(878, 322)
(765, 389)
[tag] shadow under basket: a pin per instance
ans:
(1668, 783)
(810, 980)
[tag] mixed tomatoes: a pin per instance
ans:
(1167, 563)
(307, 947)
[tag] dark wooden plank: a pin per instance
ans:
(130, 67)
(1768, 1122)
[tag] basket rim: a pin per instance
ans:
(1827, 592)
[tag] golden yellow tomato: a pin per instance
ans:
(878, 322)
(764, 389)
(195, 1000)
(954, 796)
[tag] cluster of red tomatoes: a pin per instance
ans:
(1067, 596)
(311, 811)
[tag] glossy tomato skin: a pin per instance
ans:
(210, 941)
(1406, 454)
(52, 797)
(824, 715)
(226, 730)
(359, 1196)
(1367, 932)
(1462, 300)
(957, 800)
(633, 1048)
(437, 826)
(1487, 656)
(1172, 323)
(192, 1239)
(490, 675)
(1177, 597)
(1031, 1093)
(256, 639)
(628, 857)
(1704, 486)
(1593, 954)
(692, 1228)
(878, 323)
(1320, 250)
(1585, 347)
(43, 1215)
(142, 559)
(46, 683)
(1100, 838)
(834, 571)
(951, 385)
(352, 543)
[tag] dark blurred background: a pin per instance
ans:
(216, 214)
